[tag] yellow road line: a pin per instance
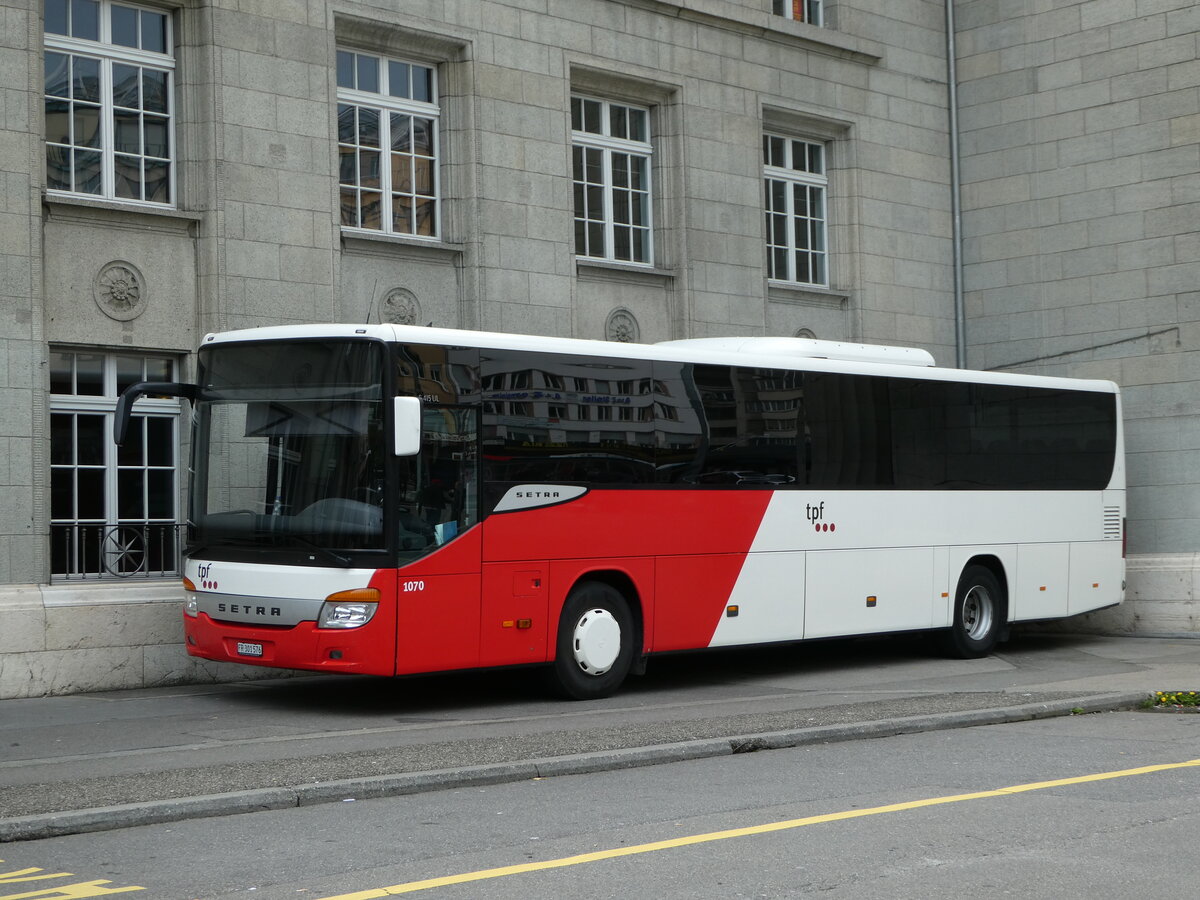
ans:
(671, 843)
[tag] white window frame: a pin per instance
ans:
(793, 175)
(382, 103)
(810, 11)
(108, 54)
(606, 145)
(104, 404)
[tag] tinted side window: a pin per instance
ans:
(1045, 439)
(847, 435)
(750, 419)
(437, 374)
(932, 435)
(558, 418)
(680, 427)
(722, 425)
(549, 417)
(1001, 437)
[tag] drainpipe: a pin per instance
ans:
(960, 316)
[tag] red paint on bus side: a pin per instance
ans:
(698, 541)
(437, 608)
(682, 551)
(613, 524)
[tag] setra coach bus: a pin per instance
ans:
(387, 499)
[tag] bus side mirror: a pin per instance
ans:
(407, 434)
(124, 411)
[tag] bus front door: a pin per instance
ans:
(437, 594)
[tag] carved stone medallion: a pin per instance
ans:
(400, 307)
(622, 327)
(120, 291)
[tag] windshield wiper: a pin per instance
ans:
(343, 561)
(201, 546)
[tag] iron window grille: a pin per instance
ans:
(113, 510)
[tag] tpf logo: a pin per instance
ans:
(202, 572)
(816, 514)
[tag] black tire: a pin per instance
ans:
(596, 642)
(980, 614)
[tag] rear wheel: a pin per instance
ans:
(980, 612)
(595, 644)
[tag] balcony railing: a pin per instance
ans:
(137, 550)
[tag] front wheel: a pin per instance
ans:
(595, 643)
(980, 611)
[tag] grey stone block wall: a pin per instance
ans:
(1081, 166)
(713, 79)
(22, 350)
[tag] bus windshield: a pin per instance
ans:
(289, 449)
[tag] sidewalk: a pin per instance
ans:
(113, 760)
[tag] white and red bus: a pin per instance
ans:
(386, 500)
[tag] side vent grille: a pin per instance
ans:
(1112, 523)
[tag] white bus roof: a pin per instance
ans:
(764, 352)
(809, 348)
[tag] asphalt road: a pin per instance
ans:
(115, 760)
(1086, 806)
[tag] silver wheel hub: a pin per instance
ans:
(596, 643)
(978, 612)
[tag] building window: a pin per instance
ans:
(113, 510)
(801, 10)
(611, 156)
(388, 144)
(795, 186)
(109, 69)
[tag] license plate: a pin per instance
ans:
(245, 648)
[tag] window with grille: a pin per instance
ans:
(795, 185)
(388, 145)
(610, 159)
(113, 510)
(108, 83)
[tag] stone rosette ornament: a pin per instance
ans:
(622, 327)
(120, 290)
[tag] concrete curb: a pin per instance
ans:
(58, 824)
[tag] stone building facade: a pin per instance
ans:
(1081, 197)
(620, 169)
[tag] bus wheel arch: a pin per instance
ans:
(980, 616)
(598, 639)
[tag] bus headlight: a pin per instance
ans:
(349, 609)
(191, 607)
